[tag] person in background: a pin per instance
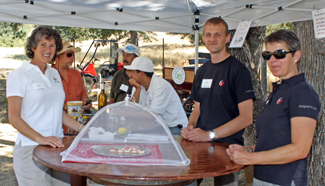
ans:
(223, 96)
(71, 78)
(156, 93)
(120, 84)
(35, 101)
(285, 127)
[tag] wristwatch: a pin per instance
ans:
(212, 134)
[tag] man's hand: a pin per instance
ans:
(197, 135)
(185, 131)
(240, 154)
(134, 83)
(88, 106)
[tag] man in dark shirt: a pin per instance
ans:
(120, 84)
(223, 95)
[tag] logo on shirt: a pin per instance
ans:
(56, 80)
(279, 101)
(221, 83)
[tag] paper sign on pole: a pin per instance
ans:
(319, 23)
(240, 34)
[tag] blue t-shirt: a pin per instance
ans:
(220, 87)
(294, 97)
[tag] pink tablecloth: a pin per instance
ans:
(83, 153)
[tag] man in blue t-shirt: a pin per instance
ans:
(223, 95)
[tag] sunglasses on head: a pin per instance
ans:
(70, 54)
(278, 54)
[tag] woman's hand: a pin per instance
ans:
(51, 141)
(240, 154)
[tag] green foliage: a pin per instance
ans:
(191, 38)
(273, 28)
(145, 36)
(4, 100)
(14, 34)
(269, 30)
(20, 57)
(80, 34)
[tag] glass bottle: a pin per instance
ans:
(102, 98)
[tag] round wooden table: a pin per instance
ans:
(208, 159)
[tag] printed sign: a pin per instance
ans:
(178, 75)
(319, 23)
(240, 34)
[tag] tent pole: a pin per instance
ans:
(196, 50)
(163, 58)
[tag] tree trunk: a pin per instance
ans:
(250, 55)
(312, 64)
(134, 37)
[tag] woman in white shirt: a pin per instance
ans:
(35, 101)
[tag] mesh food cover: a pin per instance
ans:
(126, 133)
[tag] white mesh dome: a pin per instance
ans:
(126, 133)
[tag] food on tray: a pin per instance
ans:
(121, 151)
(122, 130)
(127, 150)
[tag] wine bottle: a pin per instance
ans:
(102, 99)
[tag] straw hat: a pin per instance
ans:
(68, 47)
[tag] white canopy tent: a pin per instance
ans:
(179, 16)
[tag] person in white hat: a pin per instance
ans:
(71, 78)
(157, 93)
(120, 86)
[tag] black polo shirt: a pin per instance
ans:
(120, 78)
(220, 88)
(293, 97)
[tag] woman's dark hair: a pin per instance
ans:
(36, 36)
(286, 36)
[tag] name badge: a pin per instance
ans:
(38, 86)
(124, 88)
(206, 83)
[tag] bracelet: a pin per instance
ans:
(80, 127)
(250, 149)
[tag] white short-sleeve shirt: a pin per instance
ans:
(162, 98)
(43, 99)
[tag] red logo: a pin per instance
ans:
(221, 83)
(279, 101)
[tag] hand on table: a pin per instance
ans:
(195, 134)
(51, 141)
(239, 154)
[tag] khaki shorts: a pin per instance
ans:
(30, 172)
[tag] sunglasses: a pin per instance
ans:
(70, 54)
(278, 54)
